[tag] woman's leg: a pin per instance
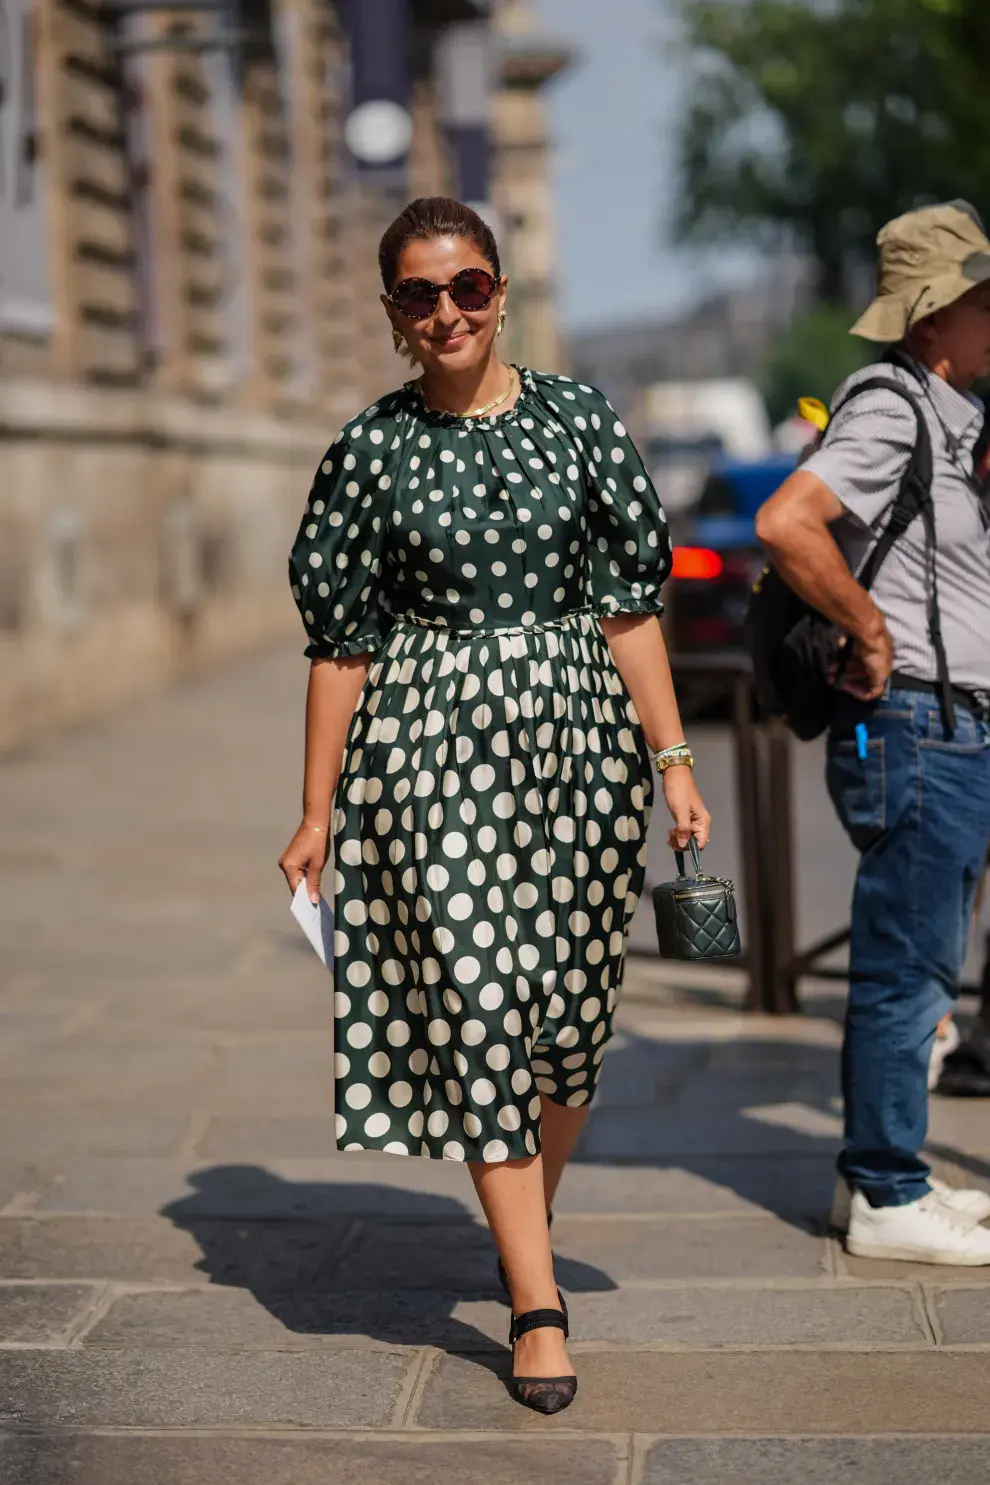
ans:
(560, 1128)
(512, 1195)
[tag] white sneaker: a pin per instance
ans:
(941, 1047)
(964, 1201)
(923, 1231)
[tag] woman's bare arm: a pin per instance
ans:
(640, 656)
(334, 689)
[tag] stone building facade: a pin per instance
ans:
(190, 202)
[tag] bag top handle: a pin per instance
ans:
(695, 859)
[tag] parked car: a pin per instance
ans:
(689, 425)
(717, 557)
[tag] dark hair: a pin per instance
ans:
(430, 217)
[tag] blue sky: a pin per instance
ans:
(614, 118)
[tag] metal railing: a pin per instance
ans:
(762, 765)
(771, 958)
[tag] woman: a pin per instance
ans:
(478, 570)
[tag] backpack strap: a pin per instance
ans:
(916, 484)
(913, 498)
(981, 456)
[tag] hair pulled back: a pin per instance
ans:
(430, 217)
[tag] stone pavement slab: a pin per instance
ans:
(962, 1315)
(677, 1248)
(945, 1461)
(263, 1254)
(143, 1459)
(719, 1315)
(673, 1316)
(756, 1392)
(923, 1273)
(458, 1256)
(42, 1314)
(30, 1135)
(373, 1185)
(792, 1187)
(134, 1388)
(67, 1074)
(299, 1319)
(224, 1004)
(951, 1123)
(264, 1137)
(339, 1186)
(639, 1135)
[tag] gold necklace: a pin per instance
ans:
(479, 412)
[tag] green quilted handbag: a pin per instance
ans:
(696, 916)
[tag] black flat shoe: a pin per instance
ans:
(966, 1071)
(542, 1394)
(503, 1277)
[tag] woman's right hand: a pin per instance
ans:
(305, 856)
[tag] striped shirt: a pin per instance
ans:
(864, 455)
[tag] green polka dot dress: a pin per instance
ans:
(490, 821)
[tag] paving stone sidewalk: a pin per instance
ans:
(195, 1287)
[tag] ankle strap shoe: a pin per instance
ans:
(542, 1394)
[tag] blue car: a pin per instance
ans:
(719, 558)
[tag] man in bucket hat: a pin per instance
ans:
(929, 259)
(909, 740)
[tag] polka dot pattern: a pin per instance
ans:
(490, 819)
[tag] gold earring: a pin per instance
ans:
(397, 341)
(501, 322)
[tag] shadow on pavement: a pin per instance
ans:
(760, 1118)
(338, 1258)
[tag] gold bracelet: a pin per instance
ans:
(322, 829)
(670, 758)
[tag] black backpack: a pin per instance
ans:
(798, 653)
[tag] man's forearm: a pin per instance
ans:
(795, 527)
(810, 562)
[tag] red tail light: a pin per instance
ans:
(698, 563)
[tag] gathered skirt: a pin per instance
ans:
(489, 837)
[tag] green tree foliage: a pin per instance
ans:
(811, 359)
(819, 120)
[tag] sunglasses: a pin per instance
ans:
(471, 289)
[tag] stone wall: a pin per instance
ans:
(140, 538)
(213, 318)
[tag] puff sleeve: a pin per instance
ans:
(335, 567)
(629, 553)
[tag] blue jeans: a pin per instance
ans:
(918, 809)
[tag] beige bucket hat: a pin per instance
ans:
(928, 259)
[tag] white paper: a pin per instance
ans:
(316, 921)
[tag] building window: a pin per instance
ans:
(25, 289)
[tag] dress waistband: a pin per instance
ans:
(484, 631)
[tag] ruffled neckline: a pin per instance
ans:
(439, 419)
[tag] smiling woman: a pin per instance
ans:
(445, 297)
(479, 573)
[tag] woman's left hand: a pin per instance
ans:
(687, 807)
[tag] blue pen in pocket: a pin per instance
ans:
(861, 740)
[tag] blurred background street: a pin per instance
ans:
(193, 1285)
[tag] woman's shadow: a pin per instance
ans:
(339, 1258)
